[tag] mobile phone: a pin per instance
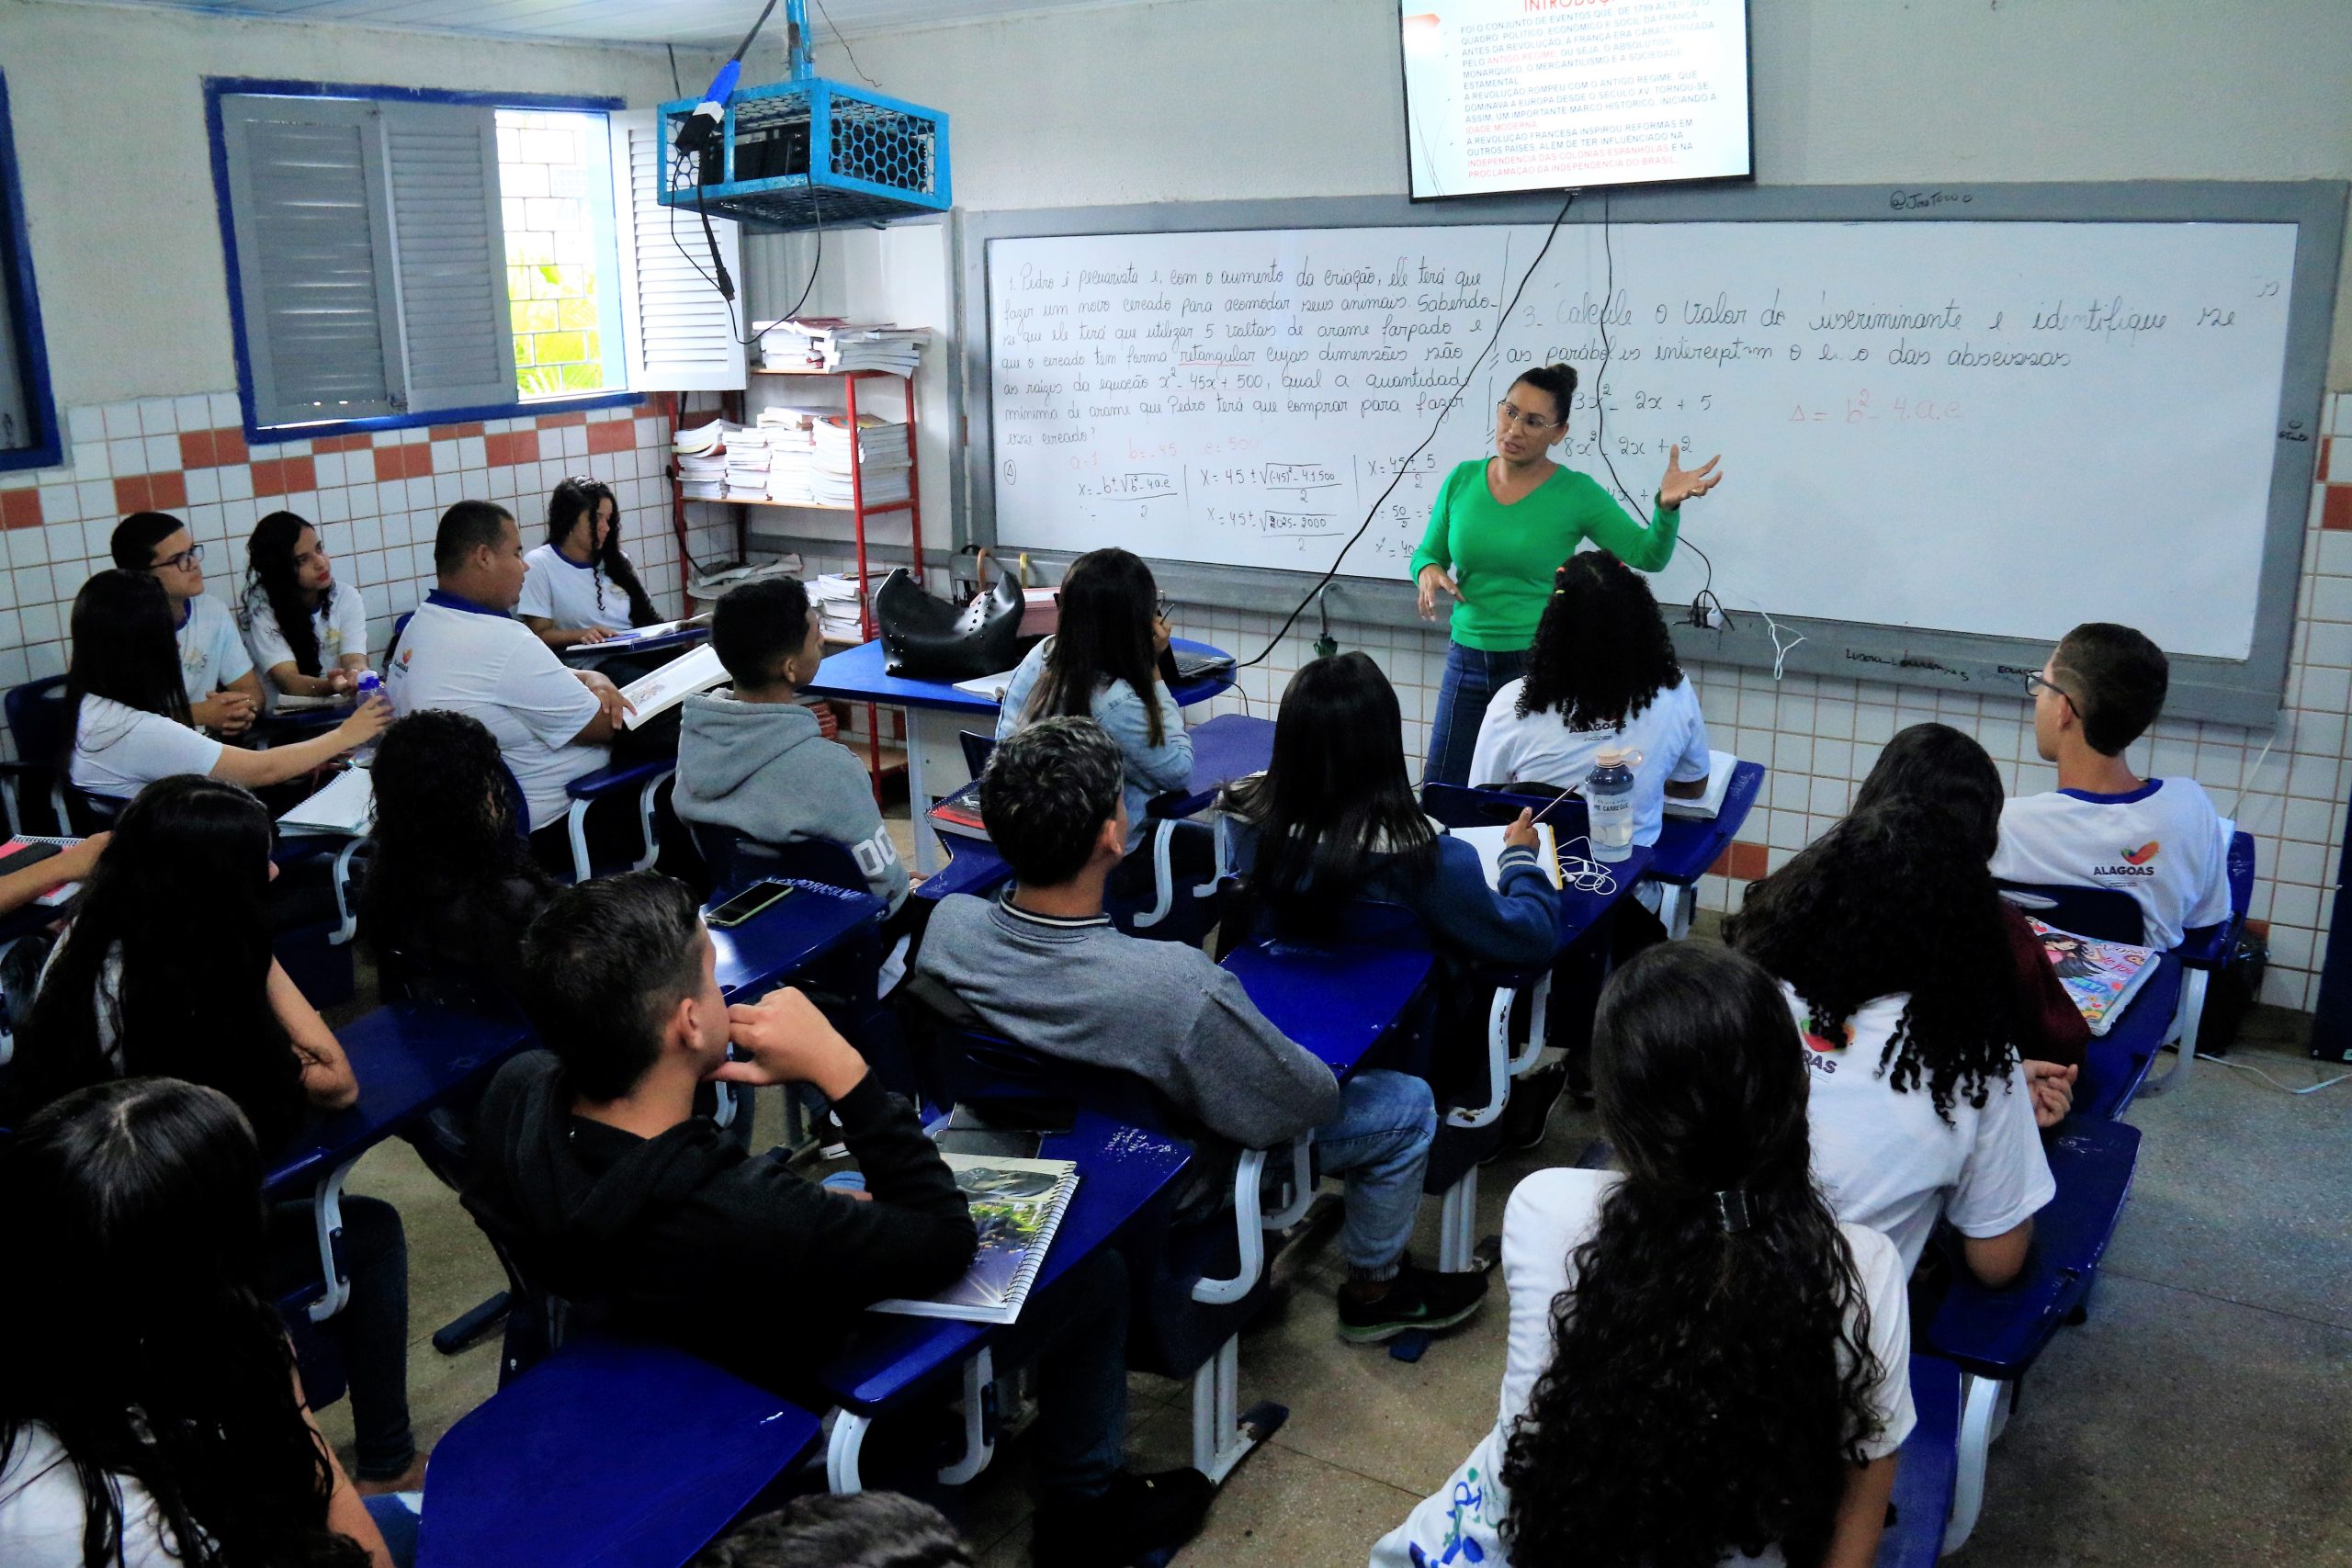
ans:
(747, 903)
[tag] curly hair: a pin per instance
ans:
(1896, 900)
(1709, 1385)
(1942, 767)
(1602, 651)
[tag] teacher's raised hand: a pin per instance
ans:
(1432, 580)
(1679, 483)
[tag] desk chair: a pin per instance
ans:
(1187, 1320)
(1995, 1336)
(614, 1453)
(36, 717)
(1926, 1470)
(736, 861)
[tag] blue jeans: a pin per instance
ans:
(1380, 1145)
(1077, 1336)
(1472, 676)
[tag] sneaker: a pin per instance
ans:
(1529, 1110)
(1416, 1298)
(1136, 1515)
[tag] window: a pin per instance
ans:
(398, 257)
(29, 431)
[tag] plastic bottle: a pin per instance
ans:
(1609, 804)
(370, 687)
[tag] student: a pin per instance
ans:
(1703, 1361)
(581, 587)
(1942, 769)
(152, 1415)
(859, 1530)
(73, 862)
(307, 634)
(754, 760)
(2158, 840)
(1886, 932)
(165, 970)
(1334, 820)
(451, 887)
(592, 1167)
(223, 691)
(462, 652)
(1601, 675)
(130, 715)
(1103, 663)
(1044, 967)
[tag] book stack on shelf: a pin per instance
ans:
(748, 456)
(827, 344)
(702, 461)
(837, 608)
(791, 454)
(883, 454)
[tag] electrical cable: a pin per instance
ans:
(827, 17)
(725, 291)
(2274, 1083)
(1706, 594)
(1405, 466)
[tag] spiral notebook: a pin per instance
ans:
(1017, 1204)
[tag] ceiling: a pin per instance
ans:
(704, 22)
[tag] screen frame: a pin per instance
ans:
(1405, 97)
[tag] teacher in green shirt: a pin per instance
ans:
(1500, 527)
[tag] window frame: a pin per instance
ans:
(23, 302)
(219, 88)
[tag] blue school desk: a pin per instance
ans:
(936, 711)
(613, 1453)
(409, 1060)
(591, 653)
(1337, 1002)
(789, 935)
(895, 1359)
(977, 869)
(1228, 746)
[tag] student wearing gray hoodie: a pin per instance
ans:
(754, 760)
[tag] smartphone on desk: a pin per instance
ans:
(748, 903)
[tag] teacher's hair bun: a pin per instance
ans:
(1558, 380)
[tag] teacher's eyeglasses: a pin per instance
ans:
(1509, 414)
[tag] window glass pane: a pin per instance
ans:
(554, 177)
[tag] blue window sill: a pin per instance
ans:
(266, 434)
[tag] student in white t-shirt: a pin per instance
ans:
(1701, 1354)
(463, 651)
(581, 586)
(307, 633)
(1601, 675)
(223, 691)
(143, 1345)
(1886, 933)
(2158, 840)
(129, 714)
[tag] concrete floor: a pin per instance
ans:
(2202, 1417)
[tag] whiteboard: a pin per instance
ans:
(2001, 428)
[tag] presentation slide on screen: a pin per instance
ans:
(1545, 95)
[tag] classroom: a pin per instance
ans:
(842, 783)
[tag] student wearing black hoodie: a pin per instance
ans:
(592, 1169)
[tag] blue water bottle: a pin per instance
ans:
(1609, 804)
(371, 686)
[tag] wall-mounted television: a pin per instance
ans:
(1549, 95)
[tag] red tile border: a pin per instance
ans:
(167, 492)
(613, 436)
(360, 442)
(21, 508)
(229, 445)
(130, 494)
(269, 477)
(2336, 511)
(301, 475)
(514, 446)
(455, 432)
(1740, 861)
(557, 420)
(412, 461)
(196, 448)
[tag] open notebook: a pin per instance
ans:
(2101, 976)
(1720, 766)
(346, 804)
(1488, 843)
(1017, 1205)
(664, 689)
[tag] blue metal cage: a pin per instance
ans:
(813, 153)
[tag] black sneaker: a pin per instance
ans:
(1416, 1298)
(1529, 1110)
(1136, 1515)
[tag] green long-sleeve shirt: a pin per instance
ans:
(1503, 557)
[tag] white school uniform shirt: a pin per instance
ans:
(1551, 1213)
(2162, 843)
(41, 1511)
(1887, 1160)
(459, 656)
(212, 653)
(564, 592)
(339, 624)
(1669, 733)
(118, 751)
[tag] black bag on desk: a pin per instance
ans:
(926, 638)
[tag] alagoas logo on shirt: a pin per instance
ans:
(1820, 1054)
(2136, 862)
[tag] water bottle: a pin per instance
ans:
(371, 686)
(1609, 804)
